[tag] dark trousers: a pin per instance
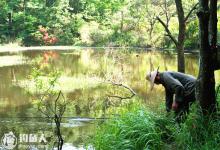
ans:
(183, 108)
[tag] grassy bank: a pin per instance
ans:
(136, 129)
(139, 128)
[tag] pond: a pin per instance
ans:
(85, 79)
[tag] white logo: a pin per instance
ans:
(32, 138)
(9, 141)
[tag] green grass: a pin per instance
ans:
(139, 128)
(135, 129)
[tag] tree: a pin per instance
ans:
(52, 108)
(206, 79)
(179, 42)
(151, 15)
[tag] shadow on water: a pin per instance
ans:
(83, 73)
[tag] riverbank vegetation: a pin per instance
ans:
(139, 128)
(95, 23)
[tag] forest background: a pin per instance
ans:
(113, 23)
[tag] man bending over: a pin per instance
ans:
(178, 84)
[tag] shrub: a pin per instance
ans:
(42, 37)
(24, 30)
(199, 133)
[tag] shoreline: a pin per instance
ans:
(4, 49)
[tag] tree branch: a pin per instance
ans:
(190, 12)
(124, 86)
(55, 104)
(167, 30)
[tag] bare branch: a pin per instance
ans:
(45, 113)
(64, 105)
(47, 90)
(55, 105)
(190, 12)
(124, 86)
(167, 30)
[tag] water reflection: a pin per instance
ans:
(75, 132)
(83, 73)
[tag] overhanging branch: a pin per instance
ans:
(168, 31)
(133, 93)
(190, 12)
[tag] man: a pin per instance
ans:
(178, 84)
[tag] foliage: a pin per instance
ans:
(199, 132)
(218, 93)
(43, 37)
(24, 30)
(192, 36)
(44, 80)
(50, 103)
(117, 23)
(141, 129)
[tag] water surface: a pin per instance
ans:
(84, 80)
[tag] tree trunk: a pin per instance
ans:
(206, 79)
(213, 31)
(179, 43)
(181, 36)
(180, 57)
(217, 66)
(122, 22)
(151, 31)
(213, 23)
(58, 132)
(10, 32)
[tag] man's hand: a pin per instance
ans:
(175, 106)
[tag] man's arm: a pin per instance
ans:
(169, 100)
(179, 93)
